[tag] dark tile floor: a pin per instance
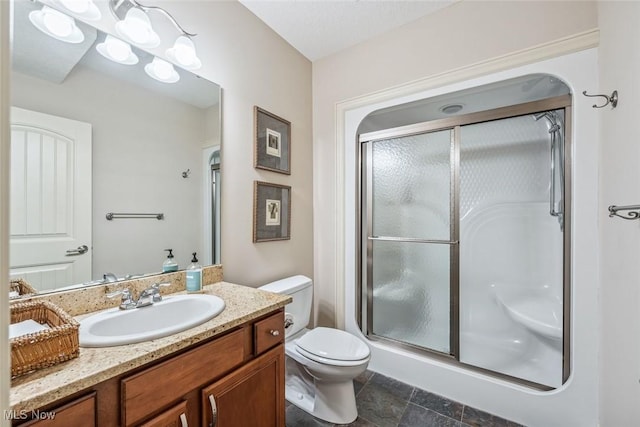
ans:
(385, 402)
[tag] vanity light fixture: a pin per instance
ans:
(162, 71)
(117, 51)
(86, 9)
(135, 27)
(56, 24)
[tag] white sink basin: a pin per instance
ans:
(171, 315)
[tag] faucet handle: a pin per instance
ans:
(127, 302)
(126, 293)
(156, 287)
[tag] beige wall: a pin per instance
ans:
(465, 33)
(619, 57)
(254, 66)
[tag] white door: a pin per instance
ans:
(50, 201)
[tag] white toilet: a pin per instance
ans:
(322, 362)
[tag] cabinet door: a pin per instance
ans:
(80, 412)
(173, 417)
(252, 396)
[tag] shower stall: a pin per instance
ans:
(464, 229)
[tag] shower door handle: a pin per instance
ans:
(413, 240)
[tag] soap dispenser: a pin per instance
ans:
(169, 265)
(194, 276)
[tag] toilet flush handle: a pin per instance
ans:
(288, 321)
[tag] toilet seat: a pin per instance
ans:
(332, 347)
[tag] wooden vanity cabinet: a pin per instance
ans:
(241, 372)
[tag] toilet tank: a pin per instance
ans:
(299, 310)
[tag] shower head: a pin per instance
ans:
(538, 116)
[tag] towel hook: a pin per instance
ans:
(613, 99)
(633, 214)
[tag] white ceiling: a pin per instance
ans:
(318, 28)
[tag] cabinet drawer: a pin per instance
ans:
(80, 412)
(175, 416)
(268, 333)
(154, 388)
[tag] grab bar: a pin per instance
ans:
(111, 216)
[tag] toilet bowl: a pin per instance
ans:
(322, 362)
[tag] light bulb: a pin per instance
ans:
(162, 68)
(162, 71)
(118, 49)
(57, 23)
(136, 28)
(185, 52)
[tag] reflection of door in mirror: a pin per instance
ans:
(50, 199)
(213, 204)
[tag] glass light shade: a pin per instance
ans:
(183, 53)
(116, 50)
(162, 71)
(136, 28)
(84, 8)
(76, 6)
(56, 24)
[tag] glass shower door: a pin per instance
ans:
(410, 238)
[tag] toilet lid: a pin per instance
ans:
(333, 344)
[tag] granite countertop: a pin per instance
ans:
(94, 365)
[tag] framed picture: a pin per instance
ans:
(272, 146)
(271, 212)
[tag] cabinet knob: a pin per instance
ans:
(274, 332)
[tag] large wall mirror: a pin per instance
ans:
(91, 137)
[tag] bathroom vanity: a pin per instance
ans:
(228, 371)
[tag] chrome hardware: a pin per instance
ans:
(150, 295)
(274, 332)
(214, 411)
(112, 215)
(127, 303)
(613, 211)
(612, 99)
(413, 240)
(109, 277)
(288, 321)
(78, 251)
(183, 420)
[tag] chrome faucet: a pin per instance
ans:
(147, 297)
(109, 277)
(150, 295)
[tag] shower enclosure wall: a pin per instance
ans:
(464, 231)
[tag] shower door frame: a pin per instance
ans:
(364, 238)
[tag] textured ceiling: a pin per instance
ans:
(318, 28)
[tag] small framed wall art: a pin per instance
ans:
(271, 212)
(272, 145)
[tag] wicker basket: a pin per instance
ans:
(21, 287)
(45, 348)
